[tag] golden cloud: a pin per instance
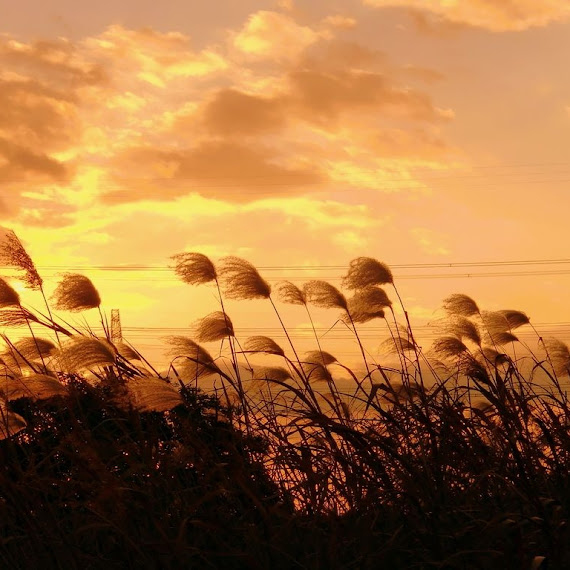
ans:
(493, 15)
(132, 116)
(272, 35)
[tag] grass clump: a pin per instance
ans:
(450, 458)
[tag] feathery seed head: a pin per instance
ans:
(241, 280)
(12, 253)
(325, 295)
(34, 348)
(81, 352)
(8, 296)
(396, 345)
(34, 386)
(151, 394)
(199, 362)
(271, 373)
(462, 328)
(559, 356)
(288, 292)
(320, 356)
(316, 372)
(459, 304)
(449, 347)
(514, 318)
(367, 304)
(213, 327)
(366, 271)
(489, 354)
(194, 268)
(263, 344)
(76, 293)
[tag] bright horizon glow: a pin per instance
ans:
(292, 136)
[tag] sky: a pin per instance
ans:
(297, 135)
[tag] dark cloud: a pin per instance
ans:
(215, 169)
(232, 112)
(325, 96)
(52, 61)
(19, 161)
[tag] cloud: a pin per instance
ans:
(280, 110)
(493, 15)
(232, 112)
(153, 57)
(224, 170)
(340, 21)
(17, 161)
(272, 35)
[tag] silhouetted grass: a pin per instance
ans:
(456, 458)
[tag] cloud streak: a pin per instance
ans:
(492, 15)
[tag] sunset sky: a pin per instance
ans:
(293, 134)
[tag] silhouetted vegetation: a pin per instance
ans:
(456, 458)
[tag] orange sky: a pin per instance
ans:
(291, 134)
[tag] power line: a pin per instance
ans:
(135, 267)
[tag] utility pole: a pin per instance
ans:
(116, 332)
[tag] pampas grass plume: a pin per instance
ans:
(460, 304)
(324, 295)
(366, 271)
(241, 280)
(194, 268)
(213, 327)
(289, 293)
(13, 253)
(263, 344)
(8, 296)
(76, 293)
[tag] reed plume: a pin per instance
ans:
(213, 327)
(8, 296)
(324, 295)
(367, 304)
(76, 293)
(82, 353)
(493, 356)
(194, 268)
(320, 356)
(365, 272)
(460, 327)
(151, 394)
(316, 372)
(10, 422)
(460, 304)
(277, 373)
(396, 345)
(196, 361)
(289, 293)
(241, 280)
(559, 356)
(503, 321)
(449, 347)
(13, 253)
(32, 348)
(34, 386)
(263, 344)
